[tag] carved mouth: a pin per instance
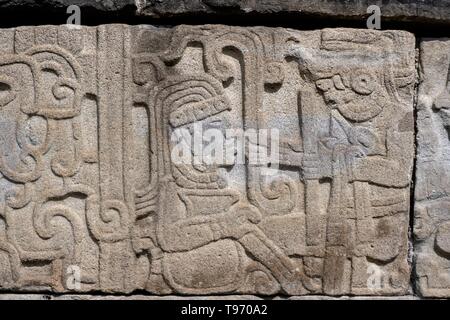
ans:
(445, 112)
(332, 103)
(445, 116)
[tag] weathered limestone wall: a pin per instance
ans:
(127, 155)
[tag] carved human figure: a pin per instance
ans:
(222, 242)
(442, 105)
(214, 240)
(432, 208)
(363, 156)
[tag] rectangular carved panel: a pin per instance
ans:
(432, 200)
(127, 160)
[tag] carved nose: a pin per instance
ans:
(442, 102)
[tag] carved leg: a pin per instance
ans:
(291, 277)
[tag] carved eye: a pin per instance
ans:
(6, 94)
(178, 118)
(219, 105)
(4, 87)
(324, 84)
(363, 83)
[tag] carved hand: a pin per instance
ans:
(239, 222)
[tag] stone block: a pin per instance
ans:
(432, 200)
(127, 160)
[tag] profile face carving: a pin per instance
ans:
(356, 94)
(444, 113)
(442, 107)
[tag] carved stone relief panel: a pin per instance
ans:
(106, 183)
(432, 200)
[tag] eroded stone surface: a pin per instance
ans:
(426, 11)
(409, 10)
(104, 5)
(432, 208)
(89, 186)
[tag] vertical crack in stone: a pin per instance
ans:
(413, 184)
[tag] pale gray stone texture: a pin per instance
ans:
(91, 198)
